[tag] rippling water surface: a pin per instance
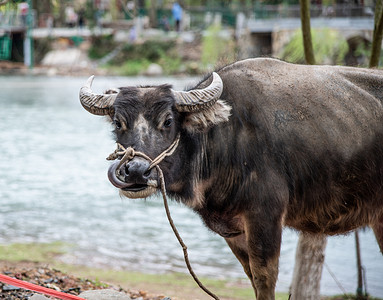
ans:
(53, 187)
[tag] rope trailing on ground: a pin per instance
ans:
(37, 288)
(127, 155)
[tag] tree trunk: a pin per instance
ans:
(153, 13)
(113, 10)
(310, 249)
(60, 21)
(306, 31)
(309, 260)
(377, 35)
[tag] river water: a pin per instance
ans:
(53, 187)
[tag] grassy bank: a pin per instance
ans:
(177, 286)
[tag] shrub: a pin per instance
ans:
(216, 49)
(329, 47)
(101, 46)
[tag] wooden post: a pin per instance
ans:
(28, 41)
(359, 290)
(377, 35)
(309, 256)
(309, 260)
(306, 31)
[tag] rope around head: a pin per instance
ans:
(127, 155)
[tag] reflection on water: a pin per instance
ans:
(53, 187)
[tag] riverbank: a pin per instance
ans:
(42, 264)
(157, 53)
(177, 286)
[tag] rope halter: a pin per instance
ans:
(127, 155)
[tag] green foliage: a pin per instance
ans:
(101, 46)
(215, 48)
(329, 47)
(348, 297)
(130, 67)
(150, 50)
(363, 52)
(170, 63)
(134, 59)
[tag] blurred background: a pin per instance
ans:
(53, 184)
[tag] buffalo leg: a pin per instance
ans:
(238, 246)
(264, 241)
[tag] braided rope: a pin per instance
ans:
(127, 155)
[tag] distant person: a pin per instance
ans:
(50, 21)
(177, 15)
(165, 23)
(23, 8)
(98, 16)
(81, 18)
(70, 16)
(130, 9)
(132, 34)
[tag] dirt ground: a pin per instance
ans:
(54, 279)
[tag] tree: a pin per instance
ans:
(310, 249)
(153, 13)
(309, 260)
(306, 31)
(377, 35)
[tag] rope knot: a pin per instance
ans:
(130, 153)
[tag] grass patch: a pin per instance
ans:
(35, 252)
(173, 284)
(129, 68)
(348, 297)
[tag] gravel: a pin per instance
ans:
(57, 280)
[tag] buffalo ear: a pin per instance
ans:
(202, 120)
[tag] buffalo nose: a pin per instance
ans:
(137, 171)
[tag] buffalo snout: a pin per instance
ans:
(133, 177)
(136, 171)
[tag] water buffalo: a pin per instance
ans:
(262, 144)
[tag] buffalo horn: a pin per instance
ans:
(199, 99)
(97, 104)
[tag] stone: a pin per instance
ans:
(107, 294)
(154, 70)
(9, 287)
(38, 297)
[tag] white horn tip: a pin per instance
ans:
(216, 77)
(89, 81)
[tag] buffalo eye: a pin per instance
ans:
(168, 122)
(117, 124)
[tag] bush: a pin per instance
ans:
(149, 50)
(133, 59)
(329, 47)
(101, 46)
(215, 49)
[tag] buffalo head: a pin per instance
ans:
(149, 119)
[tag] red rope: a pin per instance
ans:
(37, 288)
